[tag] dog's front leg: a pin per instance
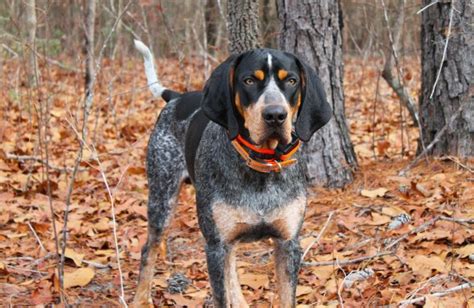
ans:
(217, 253)
(287, 265)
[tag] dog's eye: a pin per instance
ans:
(292, 81)
(249, 81)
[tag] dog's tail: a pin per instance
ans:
(156, 88)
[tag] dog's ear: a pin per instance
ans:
(315, 111)
(218, 99)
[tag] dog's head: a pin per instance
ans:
(268, 94)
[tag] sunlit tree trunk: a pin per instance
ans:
(89, 44)
(454, 87)
(311, 29)
(30, 11)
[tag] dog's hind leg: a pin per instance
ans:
(166, 172)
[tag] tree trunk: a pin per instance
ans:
(243, 26)
(270, 24)
(89, 45)
(211, 16)
(118, 36)
(453, 87)
(311, 29)
(30, 11)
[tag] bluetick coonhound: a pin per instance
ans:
(238, 141)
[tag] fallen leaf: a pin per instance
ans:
(255, 281)
(160, 282)
(74, 256)
(3, 269)
(79, 278)
(378, 219)
(379, 192)
(200, 294)
(466, 250)
(182, 301)
(423, 265)
(302, 290)
(323, 273)
(304, 243)
(393, 210)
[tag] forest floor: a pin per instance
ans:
(429, 253)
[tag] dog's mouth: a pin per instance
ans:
(274, 137)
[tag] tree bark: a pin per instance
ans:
(453, 89)
(311, 29)
(118, 35)
(243, 25)
(89, 45)
(211, 16)
(30, 11)
(270, 24)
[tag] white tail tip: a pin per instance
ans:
(153, 83)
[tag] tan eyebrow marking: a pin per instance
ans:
(259, 74)
(282, 74)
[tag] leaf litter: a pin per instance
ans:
(377, 209)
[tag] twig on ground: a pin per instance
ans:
(95, 264)
(36, 236)
(39, 160)
(340, 285)
(431, 281)
(456, 160)
(427, 224)
(437, 294)
(350, 261)
(461, 221)
(316, 240)
(413, 231)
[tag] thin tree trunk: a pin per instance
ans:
(118, 41)
(269, 24)
(454, 86)
(33, 74)
(243, 25)
(89, 44)
(391, 62)
(311, 29)
(211, 16)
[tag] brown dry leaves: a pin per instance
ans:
(119, 128)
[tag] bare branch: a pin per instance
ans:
(392, 59)
(39, 160)
(458, 288)
(448, 35)
(424, 8)
(316, 240)
(436, 139)
(82, 141)
(350, 261)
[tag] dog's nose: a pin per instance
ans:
(274, 115)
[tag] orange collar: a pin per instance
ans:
(266, 160)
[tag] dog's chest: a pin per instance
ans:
(246, 223)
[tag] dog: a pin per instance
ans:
(238, 141)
